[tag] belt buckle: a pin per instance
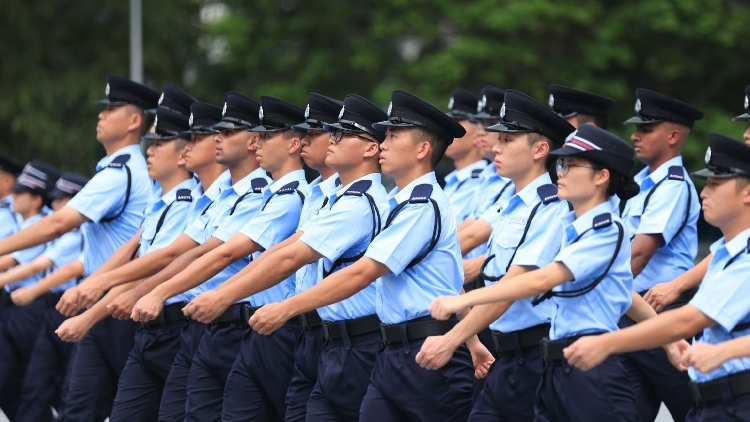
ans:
(544, 344)
(303, 321)
(326, 333)
(383, 334)
(695, 389)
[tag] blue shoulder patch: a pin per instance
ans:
(475, 173)
(676, 173)
(420, 194)
(288, 188)
(337, 181)
(258, 184)
(602, 220)
(547, 193)
(358, 188)
(184, 195)
(119, 161)
(748, 245)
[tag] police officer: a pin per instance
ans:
(579, 107)
(21, 324)
(461, 183)
(9, 169)
(590, 288)
(720, 308)
(525, 236)
(661, 221)
(745, 117)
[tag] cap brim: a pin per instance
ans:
(57, 193)
(304, 127)
(505, 128)
(565, 151)
(19, 188)
(567, 116)
(228, 125)
(199, 131)
(637, 120)
(381, 126)
(156, 136)
(742, 117)
(459, 116)
(706, 173)
(262, 128)
(107, 102)
(150, 111)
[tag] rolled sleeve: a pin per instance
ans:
(334, 233)
(665, 211)
(731, 306)
(102, 195)
(542, 241)
(276, 222)
(597, 248)
(65, 249)
(408, 236)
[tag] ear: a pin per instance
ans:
(252, 141)
(745, 194)
(295, 145)
(601, 177)
(424, 150)
(674, 135)
(182, 161)
(541, 150)
(136, 122)
(373, 150)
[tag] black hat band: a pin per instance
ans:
(237, 121)
(357, 126)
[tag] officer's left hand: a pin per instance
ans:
(206, 307)
(675, 352)
(704, 357)
(22, 296)
(146, 309)
(74, 329)
(88, 295)
(121, 306)
(586, 352)
(445, 306)
(481, 357)
(435, 352)
(270, 318)
(662, 295)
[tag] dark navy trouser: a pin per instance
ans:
(174, 396)
(345, 369)
(730, 409)
(510, 388)
(212, 362)
(142, 380)
(401, 390)
(42, 384)
(306, 360)
(100, 359)
(257, 386)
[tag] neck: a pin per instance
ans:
(290, 165)
(584, 206)
(736, 226)
(467, 160)
(240, 170)
(351, 174)
(209, 174)
(113, 147)
(30, 214)
(410, 175)
(325, 172)
(168, 183)
(652, 166)
(526, 179)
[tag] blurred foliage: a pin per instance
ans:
(56, 55)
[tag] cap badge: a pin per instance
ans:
(161, 99)
(224, 110)
(260, 113)
(551, 100)
(106, 90)
(637, 106)
(484, 101)
(450, 104)
(390, 108)
(307, 111)
(190, 121)
(156, 121)
(341, 113)
(708, 155)
(502, 111)
(479, 106)
(747, 103)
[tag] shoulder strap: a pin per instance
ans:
(256, 186)
(420, 195)
(120, 162)
(285, 190)
(674, 173)
(183, 195)
(502, 191)
(476, 173)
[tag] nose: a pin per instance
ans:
(635, 137)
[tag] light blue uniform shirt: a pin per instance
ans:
(276, 222)
(600, 309)
(540, 247)
(8, 219)
(344, 228)
(664, 215)
(203, 201)
(25, 256)
(723, 297)
(492, 191)
(223, 226)
(64, 250)
(315, 196)
(104, 196)
(174, 221)
(461, 187)
(404, 294)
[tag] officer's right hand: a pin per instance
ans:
(445, 306)
(89, 294)
(68, 303)
(147, 308)
(22, 296)
(73, 329)
(121, 307)
(472, 268)
(586, 352)
(435, 353)
(662, 295)
(704, 357)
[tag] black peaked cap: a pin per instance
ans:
(725, 157)
(168, 125)
(174, 99)
(69, 184)
(239, 112)
(600, 146)
(462, 104)
(567, 102)
(491, 99)
(408, 110)
(522, 114)
(746, 106)
(10, 165)
(320, 111)
(275, 115)
(121, 91)
(202, 118)
(359, 114)
(37, 177)
(654, 107)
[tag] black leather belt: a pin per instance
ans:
(710, 391)
(310, 320)
(529, 337)
(354, 327)
(171, 313)
(5, 297)
(417, 329)
(52, 298)
(683, 298)
(552, 350)
(245, 312)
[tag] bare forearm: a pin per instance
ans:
(640, 310)
(474, 235)
(43, 231)
(266, 274)
(174, 279)
(477, 320)
(335, 288)
(257, 261)
(121, 256)
(62, 275)
(150, 264)
(99, 311)
(734, 349)
(23, 271)
(693, 277)
(6, 262)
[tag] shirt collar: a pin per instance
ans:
(223, 182)
(287, 179)
(404, 195)
(734, 246)
(130, 149)
(574, 227)
(529, 195)
(658, 174)
(374, 177)
(244, 184)
(328, 187)
(7, 200)
(464, 173)
(170, 196)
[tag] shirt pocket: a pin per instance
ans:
(511, 232)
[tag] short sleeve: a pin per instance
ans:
(65, 249)
(276, 222)
(588, 258)
(544, 237)
(348, 223)
(665, 210)
(173, 226)
(408, 236)
(197, 229)
(103, 195)
(724, 297)
(27, 255)
(243, 212)
(490, 215)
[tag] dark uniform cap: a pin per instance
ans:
(69, 184)
(10, 165)
(121, 91)
(491, 99)
(168, 125)
(568, 102)
(174, 99)
(37, 177)
(725, 157)
(239, 112)
(319, 112)
(275, 115)
(745, 116)
(462, 104)
(408, 110)
(653, 107)
(600, 146)
(202, 118)
(359, 115)
(522, 114)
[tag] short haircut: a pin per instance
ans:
(290, 134)
(596, 120)
(180, 144)
(742, 182)
(437, 146)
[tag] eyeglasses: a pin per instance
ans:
(338, 135)
(563, 166)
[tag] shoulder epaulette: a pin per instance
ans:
(119, 161)
(337, 182)
(475, 173)
(184, 195)
(602, 220)
(288, 188)
(358, 188)
(258, 184)
(547, 193)
(676, 173)
(748, 245)
(420, 194)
